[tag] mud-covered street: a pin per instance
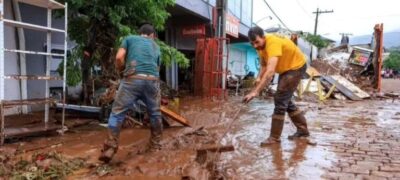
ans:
(354, 140)
(199, 90)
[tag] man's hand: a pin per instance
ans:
(249, 97)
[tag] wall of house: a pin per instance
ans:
(248, 53)
(237, 61)
(306, 48)
(199, 7)
(253, 61)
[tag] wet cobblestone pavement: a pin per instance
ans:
(356, 140)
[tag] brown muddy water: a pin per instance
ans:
(338, 127)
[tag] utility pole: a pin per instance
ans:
(316, 18)
(316, 25)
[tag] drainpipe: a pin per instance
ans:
(225, 48)
(222, 10)
(22, 57)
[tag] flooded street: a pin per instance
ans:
(354, 140)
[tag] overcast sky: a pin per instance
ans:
(350, 16)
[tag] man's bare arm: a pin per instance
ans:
(267, 75)
(120, 59)
(266, 78)
(262, 71)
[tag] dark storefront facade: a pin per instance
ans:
(194, 19)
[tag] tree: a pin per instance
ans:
(317, 41)
(393, 61)
(98, 26)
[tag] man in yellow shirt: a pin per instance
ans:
(279, 55)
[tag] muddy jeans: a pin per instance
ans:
(287, 85)
(130, 90)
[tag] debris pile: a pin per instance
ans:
(344, 72)
(50, 165)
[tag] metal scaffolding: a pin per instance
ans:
(49, 5)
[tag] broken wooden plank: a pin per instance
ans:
(311, 71)
(392, 95)
(336, 94)
(206, 155)
(174, 116)
(132, 121)
(356, 90)
(344, 90)
(215, 148)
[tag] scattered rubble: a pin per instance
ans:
(51, 165)
(349, 68)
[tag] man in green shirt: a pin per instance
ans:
(138, 59)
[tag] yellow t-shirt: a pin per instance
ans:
(289, 55)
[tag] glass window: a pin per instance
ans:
(246, 12)
(237, 8)
(242, 10)
(213, 2)
(234, 7)
(231, 6)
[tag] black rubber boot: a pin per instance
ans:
(300, 122)
(110, 147)
(276, 130)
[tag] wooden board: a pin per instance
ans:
(353, 88)
(311, 71)
(215, 148)
(174, 116)
(343, 89)
(336, 94)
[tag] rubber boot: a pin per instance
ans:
(155, 138)
(276, 130)
(110, 147)
(300, 122)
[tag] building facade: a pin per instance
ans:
(189, 21)
(195, 19)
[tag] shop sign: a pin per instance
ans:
(194, 30)
(232, 25)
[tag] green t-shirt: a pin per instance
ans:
(143, 56)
